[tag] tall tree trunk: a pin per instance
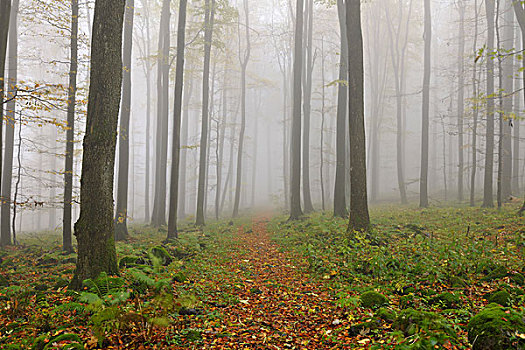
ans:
(244, 58)
(423, 191)
(508, 105)
(184, 149)
(295, 198)
(147, 68)
(221, 133)
(323, 118)
(340, 209)
(516, 137)
(121, 218)
(175, 158)
(475, 112)
(359, 216)
(95, 229)
(161, 156)
(67, 244)
(12, 80)
(5, 14)
(254, 157)
(461, 96)
(307, 104)
(208, 36)
(488, 200)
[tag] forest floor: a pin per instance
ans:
(264, 283)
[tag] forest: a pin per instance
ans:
(262, 174)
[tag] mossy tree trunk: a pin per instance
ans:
(94, 229)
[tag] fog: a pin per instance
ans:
(393, 34)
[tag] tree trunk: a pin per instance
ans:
(307, 104)
(359, 216)
(7, 173)
(423, 191)
(516, 137)
(175, 158)
(461, 96)
(121, 218)
(475, 114)
(488, 200)
(295, 198)
(5, 14)
(95, 229)
(67, 244)
(340, 209)
(208, 36)
(184, 151)
(243, 59)
(161, 156)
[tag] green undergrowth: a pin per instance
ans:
(434, 269)
(160, 284)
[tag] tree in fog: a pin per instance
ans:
(95, 228)
(208, 37)
(295, 197)
(488, 200)
(340, 209)
(67, 244)
(158, 217)
(423, 185)
(5, 13)
(12, 80)
(121, 217)
(461, 96)
(177, 113)
(359, 216)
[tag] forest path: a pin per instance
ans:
(280, 306)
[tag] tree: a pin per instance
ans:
(179, 84)
(95, 228)
(488, 196)
(121, 218)
(308, 67)
(423, 191)
(158, 217)
(12, 79)
(519, 10)
(340, 209)
(70, 133)
(244, 58)
(475, 111)
(5, 13)
(295, 198)
(359, 216)
(208, 37)
(461, 96)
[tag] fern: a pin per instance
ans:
(103, 284)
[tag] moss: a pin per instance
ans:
(494, 329)
(411, 321)
(407, 301)
(162, 254)
(518, 279)
(501, 297)
(4, 281)
(386, 314)
(128, 261)
(457, 282)
(447, 300)
(373, 300)
(497, 273)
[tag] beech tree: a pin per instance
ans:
(95, 228)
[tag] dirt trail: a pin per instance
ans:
(280, 307)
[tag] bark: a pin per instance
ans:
(161, 157)
(461, 97)
(67, 244)
(516, 136)
(475, 113)
(244, 58)
(7, 173)
(5, 14)
(184, 151)
(359, 216)
(208, 36)
(488, 200)
(295, 198)
(307, 104)
(340, 209)
(95, 229)
(323, 118)
(423, 191)
(519, 10)
(177, 113)
(121, 218)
